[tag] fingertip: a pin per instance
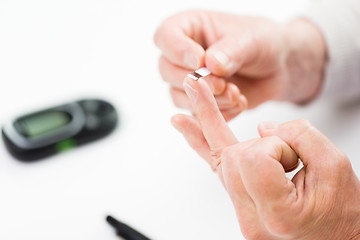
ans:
(224, 57)
(194, 58)
(229, 114)
(188, 80)
(198, 85)
(215, 62)
(219, 85)
(234, 91)
(230, 98)
(176, 122)
(216, 84)
(181, 122)
(175, 119)
(243, 102)
(189, 88)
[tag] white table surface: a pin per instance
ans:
(144, 173)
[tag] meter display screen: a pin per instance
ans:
(42, 123)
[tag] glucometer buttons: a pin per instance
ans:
(92, 122)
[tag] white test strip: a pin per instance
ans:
(201, 72)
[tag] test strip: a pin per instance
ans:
(201, 72)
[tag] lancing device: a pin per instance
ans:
(201, 72)
(125, 231)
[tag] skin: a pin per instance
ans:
(252, 59)
(322, 201)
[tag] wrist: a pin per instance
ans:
(305, 61)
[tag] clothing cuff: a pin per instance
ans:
(339, 22)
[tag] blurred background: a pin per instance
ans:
(53, 52)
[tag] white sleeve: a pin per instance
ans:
(339, 21)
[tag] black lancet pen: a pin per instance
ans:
(125, 231)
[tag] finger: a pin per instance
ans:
(175, 39)
(226, 56)
(229, 114)
(270, 88)
(244, 205)
(231, 99)
(261, 170)
(216, 131)
(192, 132)
(174, 75)
(180, 98)
(313, 148)
(288, 166)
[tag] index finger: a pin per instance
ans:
(216, 131)
(175, 38)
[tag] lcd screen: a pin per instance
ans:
(42, 123)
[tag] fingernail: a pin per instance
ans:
(293, 167)
(222, 58)
(243, 102)
(190, 91)
(191, 61)
(269, 125)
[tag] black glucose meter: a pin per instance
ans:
(53, 130)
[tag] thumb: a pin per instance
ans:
(226, 56)
(314, 148)
(175, 38)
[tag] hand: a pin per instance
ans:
(263, 59)
(322, 201)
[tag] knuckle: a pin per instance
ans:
(250, 155)
(216, 159)
(303, 123)
(296, 124)
(232, 153)
(228, 153)
(298, 129)
(272, 139)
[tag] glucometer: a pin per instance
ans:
(53, 130)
